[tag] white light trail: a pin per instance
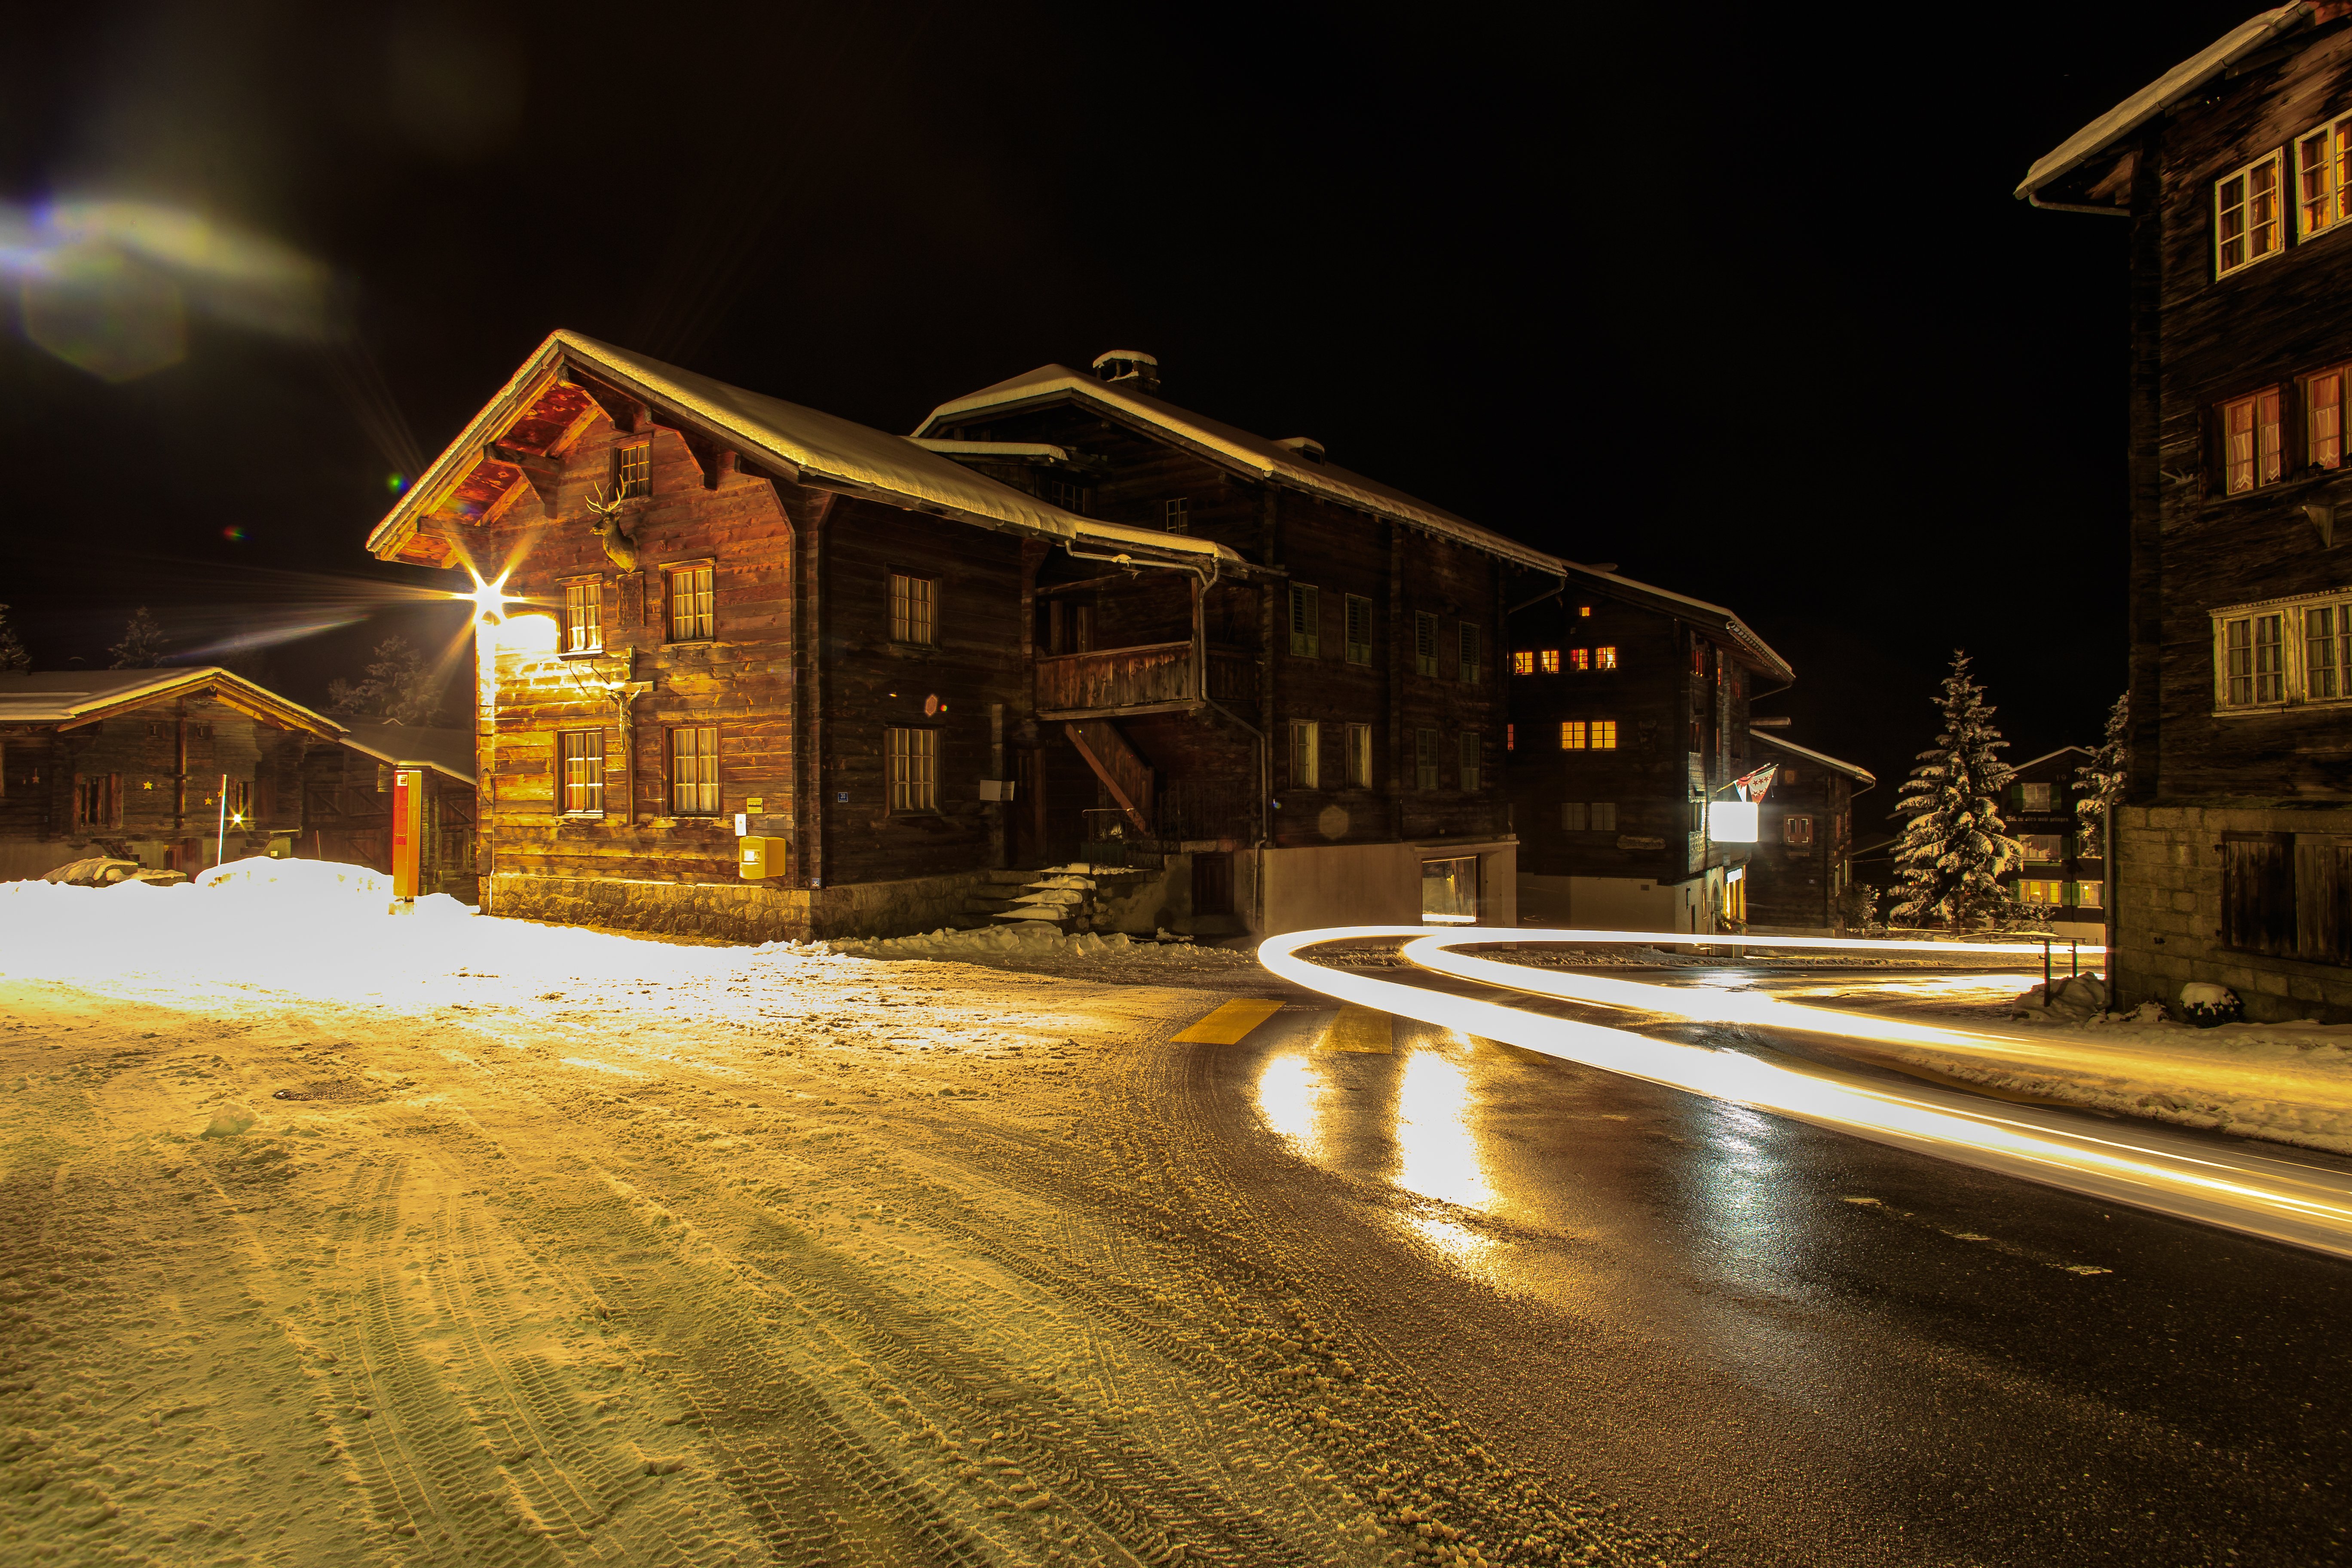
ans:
(2305, 1205)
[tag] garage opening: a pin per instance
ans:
(1449, 892)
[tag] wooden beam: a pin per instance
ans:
(544, 475)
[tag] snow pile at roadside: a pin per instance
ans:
(1040, 940)
(2288, 1082)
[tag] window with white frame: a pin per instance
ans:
(1473, 754)
(1305, 755)
(2283, 652)
(2033, 796)
(584, 603)
(2322, 417)
(914, 609)
(1359, 629)
(2251, 447)
(1305, 613)
(692, 617)
(2246, 227)
(2323, 172)
(633, 470)
(913, 756)
(1360, 756)
(581, 754)
(694, 770)
(2326, 651)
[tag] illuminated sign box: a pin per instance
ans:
(1731, 821)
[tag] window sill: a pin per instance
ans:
(690, 642)
(2308, 704)
(2277, 490)
(580, 815)
(581, 653)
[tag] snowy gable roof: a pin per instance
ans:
(796, 441)
(1823, 758)
(448, 751)
(1254, 455)
(67, 698)
(2162, 93)
(1715, 616)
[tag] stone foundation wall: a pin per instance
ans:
(2167, 896)
(743, 911)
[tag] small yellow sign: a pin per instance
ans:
(755, 804)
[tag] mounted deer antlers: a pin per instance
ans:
(620, 543)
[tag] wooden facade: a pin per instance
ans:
(1802, 860)
(1629, 713)
(2240, 286)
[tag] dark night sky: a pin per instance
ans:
(1735, 297)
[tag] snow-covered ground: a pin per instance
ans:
(333, 1235)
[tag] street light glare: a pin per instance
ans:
(490, 599)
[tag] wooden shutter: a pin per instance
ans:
(2258, 892)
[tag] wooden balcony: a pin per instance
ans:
(1155, 677)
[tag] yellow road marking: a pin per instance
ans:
(1228, 1023)
(1360, 1029)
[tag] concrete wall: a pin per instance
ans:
(2166, 888)
(1373, 884)
(736, 911)
(1611, 904)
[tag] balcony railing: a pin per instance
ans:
(1117, 679)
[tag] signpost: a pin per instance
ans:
(407, 831)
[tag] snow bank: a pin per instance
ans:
(1036, 939)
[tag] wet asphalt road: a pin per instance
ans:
(1797, 1346)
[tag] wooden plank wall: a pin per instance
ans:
(140, 750)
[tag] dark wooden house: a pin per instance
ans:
(347, 803)
(1356, 671)
(2232, 176)
(1629, 715)
(176, 769)
(1802, 860)
(2056, 875)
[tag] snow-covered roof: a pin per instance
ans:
(446, 751)
(1014, 451)
(1724, 620)
(1823, 758)
(2163, 92)
(2047, 756)
(66, 698)
(797, 441)
(1254, 455)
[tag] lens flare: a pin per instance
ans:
(490, 599)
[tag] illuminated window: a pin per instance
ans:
(914, 609)
(2250, 440)
(1584, 611)
(1604, 734)
(633, 470)
(1698, 659)
(1604, 658)
(2323, 177)
(1580, 660)
(1574, 736)
(2087, 894)
(2246, 215)
(1473, 754)
(2323, 418)
(1551, 660)
(694, 770)
(914, 762)
(1796, 830)
(2033, 796)
(1424, 644)
(2327, 651)
(2256, 672)
(1425, 759)
(1176, 515)
(1305, 755)
(1510, 737)
(1468, 645)
(581, 753)
(1524, 661)
(2294, 650)
(1360, 756)
(691, 618)
(1359, 629)
(583, 608)
(1305, 619)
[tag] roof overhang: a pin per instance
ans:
(231, 690)
(1758, 653)
(1823, 758)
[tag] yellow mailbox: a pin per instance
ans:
(762, 857)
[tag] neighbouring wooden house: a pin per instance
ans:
(1629, 715)
(2233, 860)
(1356, 670)
(1802, 860)
(2056, 875)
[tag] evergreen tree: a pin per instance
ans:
(14, 659)
(142, 647)
(399, 688)
(2100, 782)
(1955, 846)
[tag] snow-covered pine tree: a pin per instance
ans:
(1955, 846)
(142, 647)
(2099, 784)
(14, 659)
(400, 687)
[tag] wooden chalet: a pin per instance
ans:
(1355, 671)
(160, 766)
(1629, 715)
(1802, 860)
(2056, 875)
(2233, 854)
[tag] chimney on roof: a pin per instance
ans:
(1130, 368)
(1307, 447)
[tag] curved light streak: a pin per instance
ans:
(2305, 1205)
